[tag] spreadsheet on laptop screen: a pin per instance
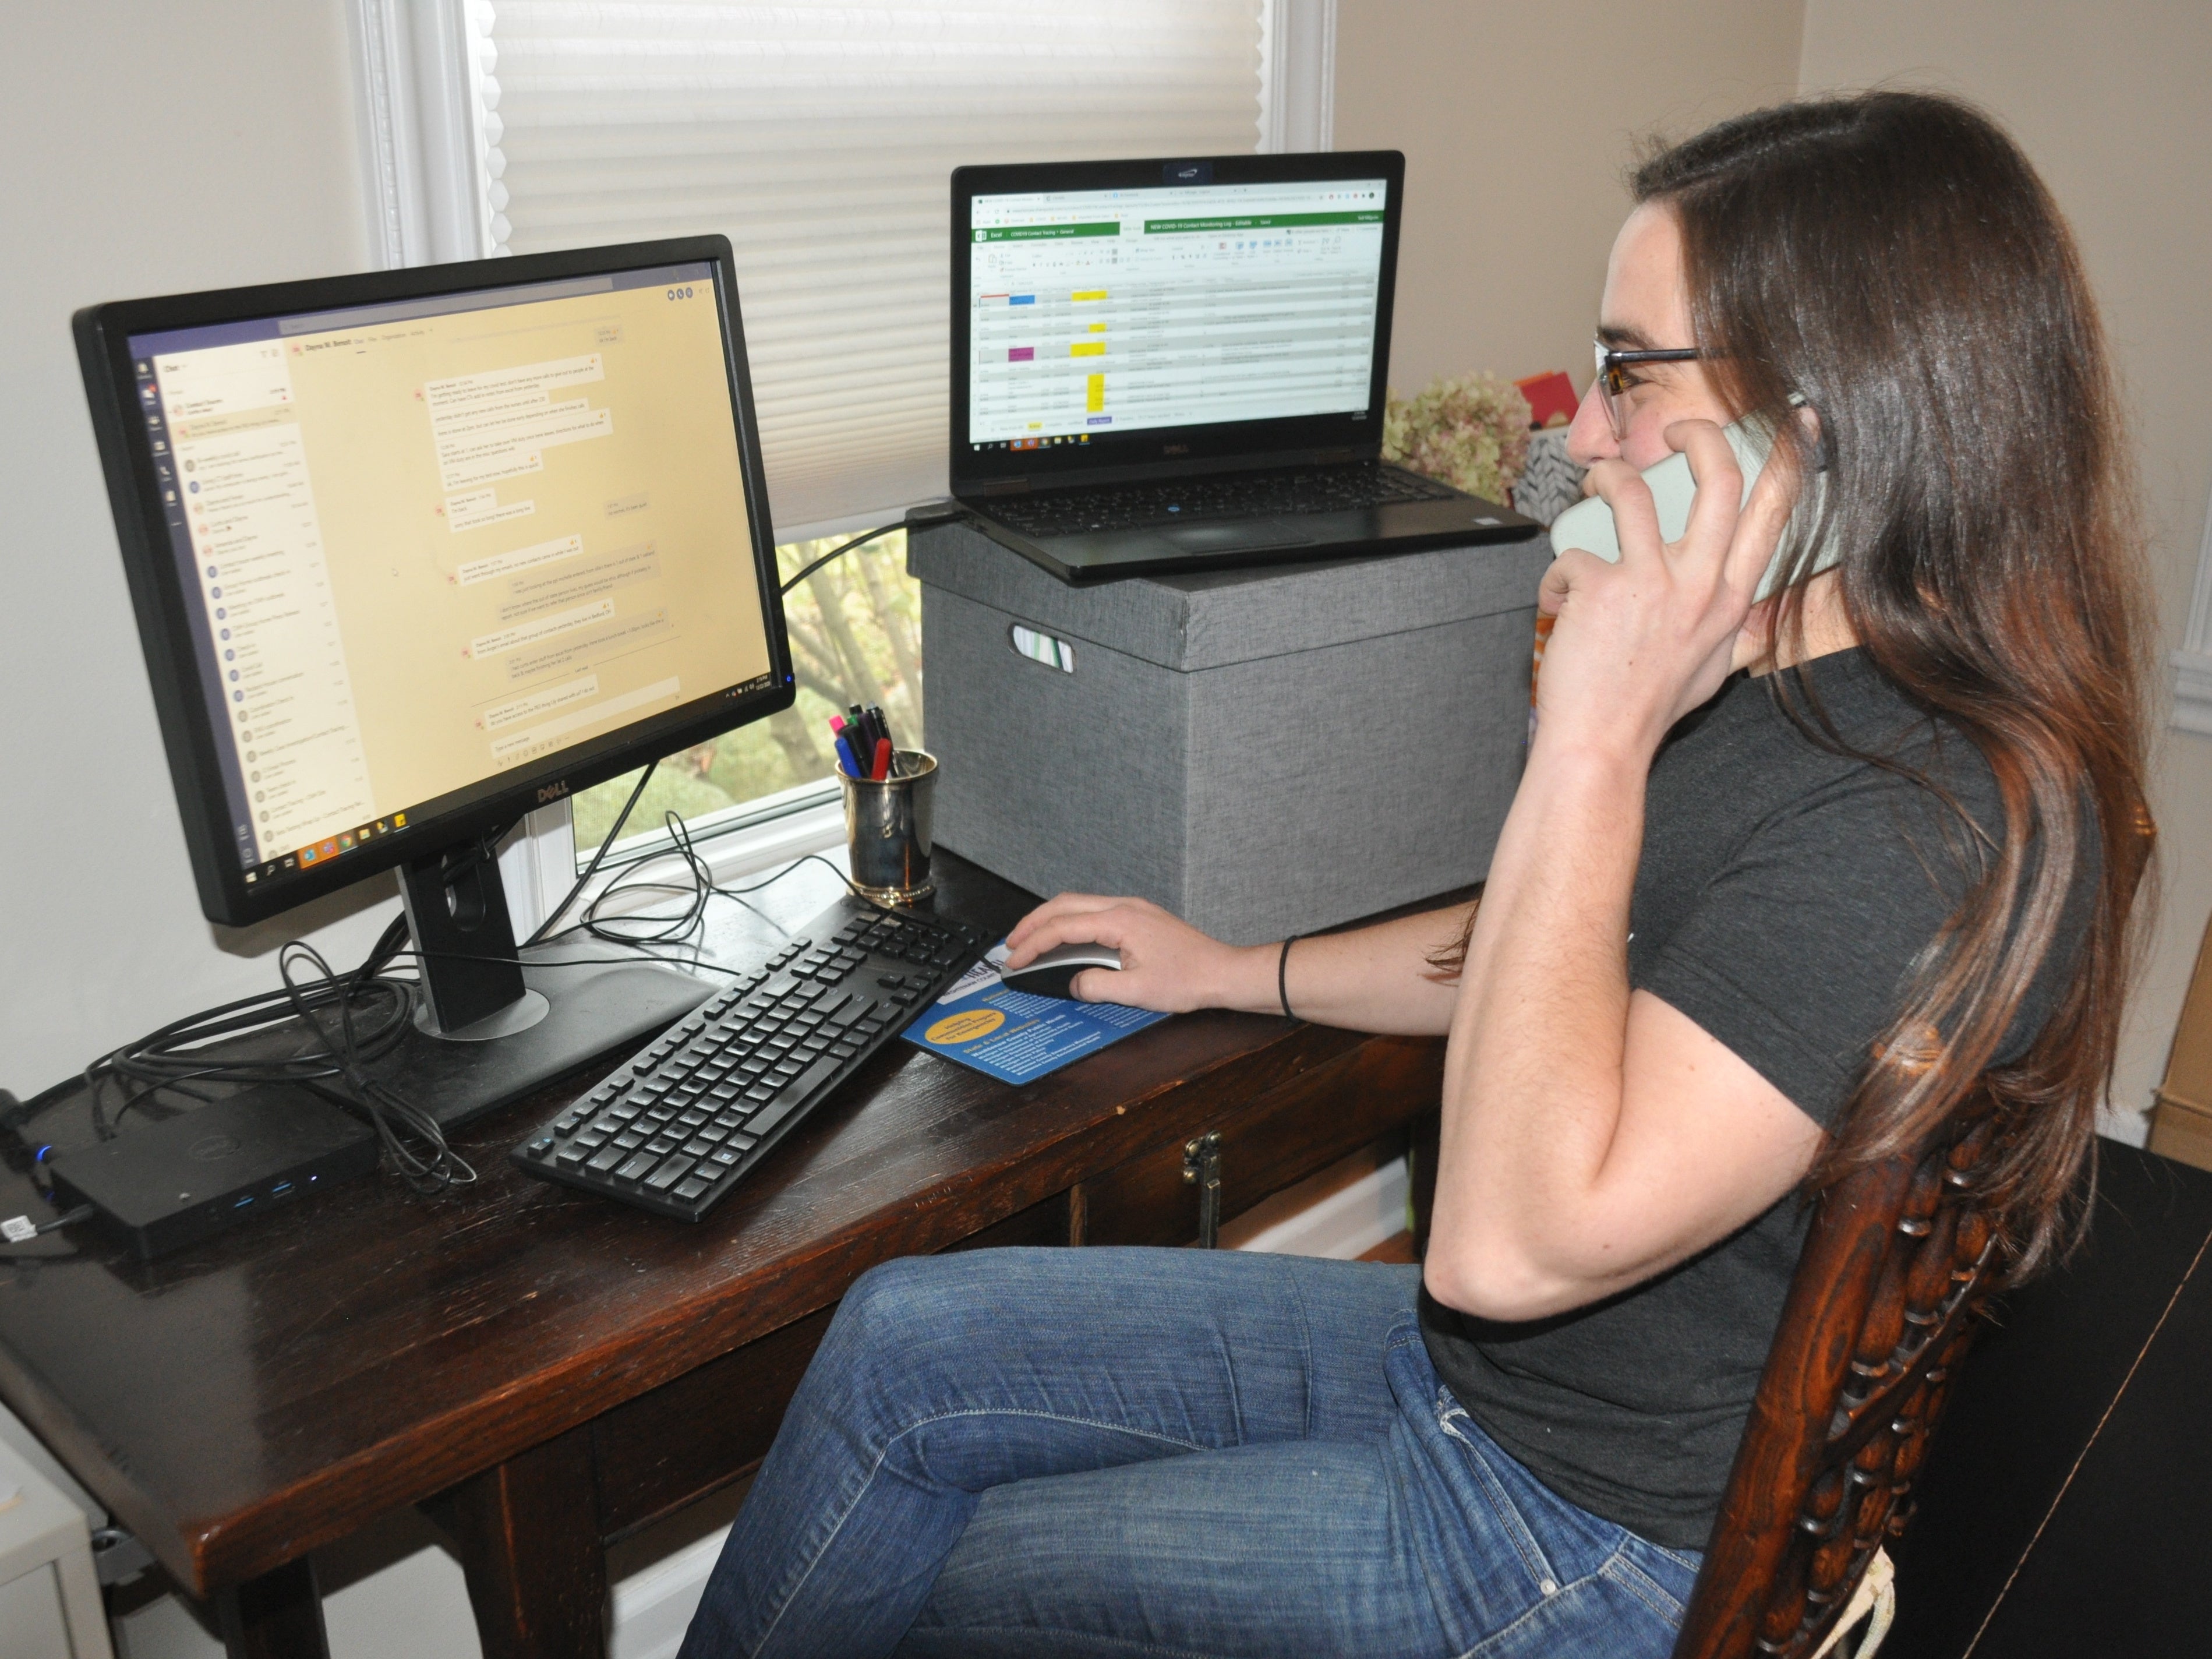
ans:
(1100, 312)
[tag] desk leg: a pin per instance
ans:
(278, 1615)
(528, 1534)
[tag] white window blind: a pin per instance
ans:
(820, 138)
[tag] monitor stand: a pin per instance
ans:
(490, 1029)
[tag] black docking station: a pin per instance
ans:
(174, 1183)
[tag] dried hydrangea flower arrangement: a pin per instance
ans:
(1470, 432)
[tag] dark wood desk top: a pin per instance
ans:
(275, 1388)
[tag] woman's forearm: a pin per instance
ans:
(1371, 979)
(1534, 1078)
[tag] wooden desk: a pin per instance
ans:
(545, 1372)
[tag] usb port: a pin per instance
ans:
(243, 1202)
(280, 1189)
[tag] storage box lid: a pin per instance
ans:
(1216, 617)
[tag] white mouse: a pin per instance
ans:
(1053, 973)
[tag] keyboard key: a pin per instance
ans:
(608, 1157)
(639, 1165)
(726, 1155)
(694, 1188)
(669, 1174)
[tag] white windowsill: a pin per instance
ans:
(2192, 691)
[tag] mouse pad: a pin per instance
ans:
(1013, 1035)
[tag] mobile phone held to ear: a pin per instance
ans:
(1588, 524)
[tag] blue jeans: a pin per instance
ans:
(1158, 1452)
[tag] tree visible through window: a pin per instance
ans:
(856, 628)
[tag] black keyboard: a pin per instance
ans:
(1238, 495)
(690, 1116)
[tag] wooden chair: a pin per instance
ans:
(1889, 1293)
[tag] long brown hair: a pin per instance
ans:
(1892, 259)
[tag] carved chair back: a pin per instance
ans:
(1889, 1292)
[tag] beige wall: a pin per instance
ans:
(147, 152)
(1518, 121)
(2108, 100)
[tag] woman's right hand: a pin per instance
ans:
(1167, 965)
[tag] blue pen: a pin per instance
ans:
(845, 761)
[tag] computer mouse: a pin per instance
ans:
(1054, 972)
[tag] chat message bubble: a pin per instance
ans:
(595, 646)
(547, 736)
(556, 590)
(499, 424)
(481, 507)
(521, 558)
(580, 690)
(511, 639)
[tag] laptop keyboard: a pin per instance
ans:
(684, 1120)
(1241, 495)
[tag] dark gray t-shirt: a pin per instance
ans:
(1783, 894)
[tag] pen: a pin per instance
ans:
(882, 766)
(848, 761)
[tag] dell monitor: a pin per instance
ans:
(416, 552)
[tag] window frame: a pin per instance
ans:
(430, 200)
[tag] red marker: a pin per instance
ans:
(882, 766)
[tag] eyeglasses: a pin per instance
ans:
(1615, 385)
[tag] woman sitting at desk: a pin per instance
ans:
(1742, 933)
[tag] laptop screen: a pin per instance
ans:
(1097, 313)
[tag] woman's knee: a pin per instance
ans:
(896, 1304)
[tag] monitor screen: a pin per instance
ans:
(1097, 313)
(430, 547)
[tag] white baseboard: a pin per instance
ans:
(652, 1608)
(1347, 1223)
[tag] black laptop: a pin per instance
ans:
(1171, 366)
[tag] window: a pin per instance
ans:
(819, 137)
(855, 637)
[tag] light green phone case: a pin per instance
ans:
(1588, 524)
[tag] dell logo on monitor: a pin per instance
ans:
(552, 792)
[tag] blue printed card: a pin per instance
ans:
(1013, 1035)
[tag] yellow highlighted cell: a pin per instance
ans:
(1098, 328)
(966, 1026)
(1087, 348)
(1094, 393)
(1088, 294)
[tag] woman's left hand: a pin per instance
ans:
(1639, 644)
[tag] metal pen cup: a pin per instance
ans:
(887, 829)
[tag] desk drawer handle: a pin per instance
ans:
(1201, 1168)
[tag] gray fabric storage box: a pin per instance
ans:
(1262, 752)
